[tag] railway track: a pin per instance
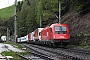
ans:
(23, 57)
(60, 53)
(44, 53)
(80, 53)
(29, 57)
(83, 51)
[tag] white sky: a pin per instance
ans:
(6, 3)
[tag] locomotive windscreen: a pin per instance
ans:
(60, 30)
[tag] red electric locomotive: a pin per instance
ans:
(56, 34)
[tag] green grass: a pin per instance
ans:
(7, 12)
(13, 54)
(14, 44)
(24, 53)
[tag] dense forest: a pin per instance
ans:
(30, 11)
(75, 13)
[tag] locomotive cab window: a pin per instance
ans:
(60, 30)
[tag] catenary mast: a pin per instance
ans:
(15, 23)
(59, 11)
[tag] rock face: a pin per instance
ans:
(79, 28)
(78, 23)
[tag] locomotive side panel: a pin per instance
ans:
(45, 34)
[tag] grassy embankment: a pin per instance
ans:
(7, 12)
(13, 54)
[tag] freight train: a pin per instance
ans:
(53, 35)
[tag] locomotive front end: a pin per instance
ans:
(61, 34)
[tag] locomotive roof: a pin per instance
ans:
(58, 24)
